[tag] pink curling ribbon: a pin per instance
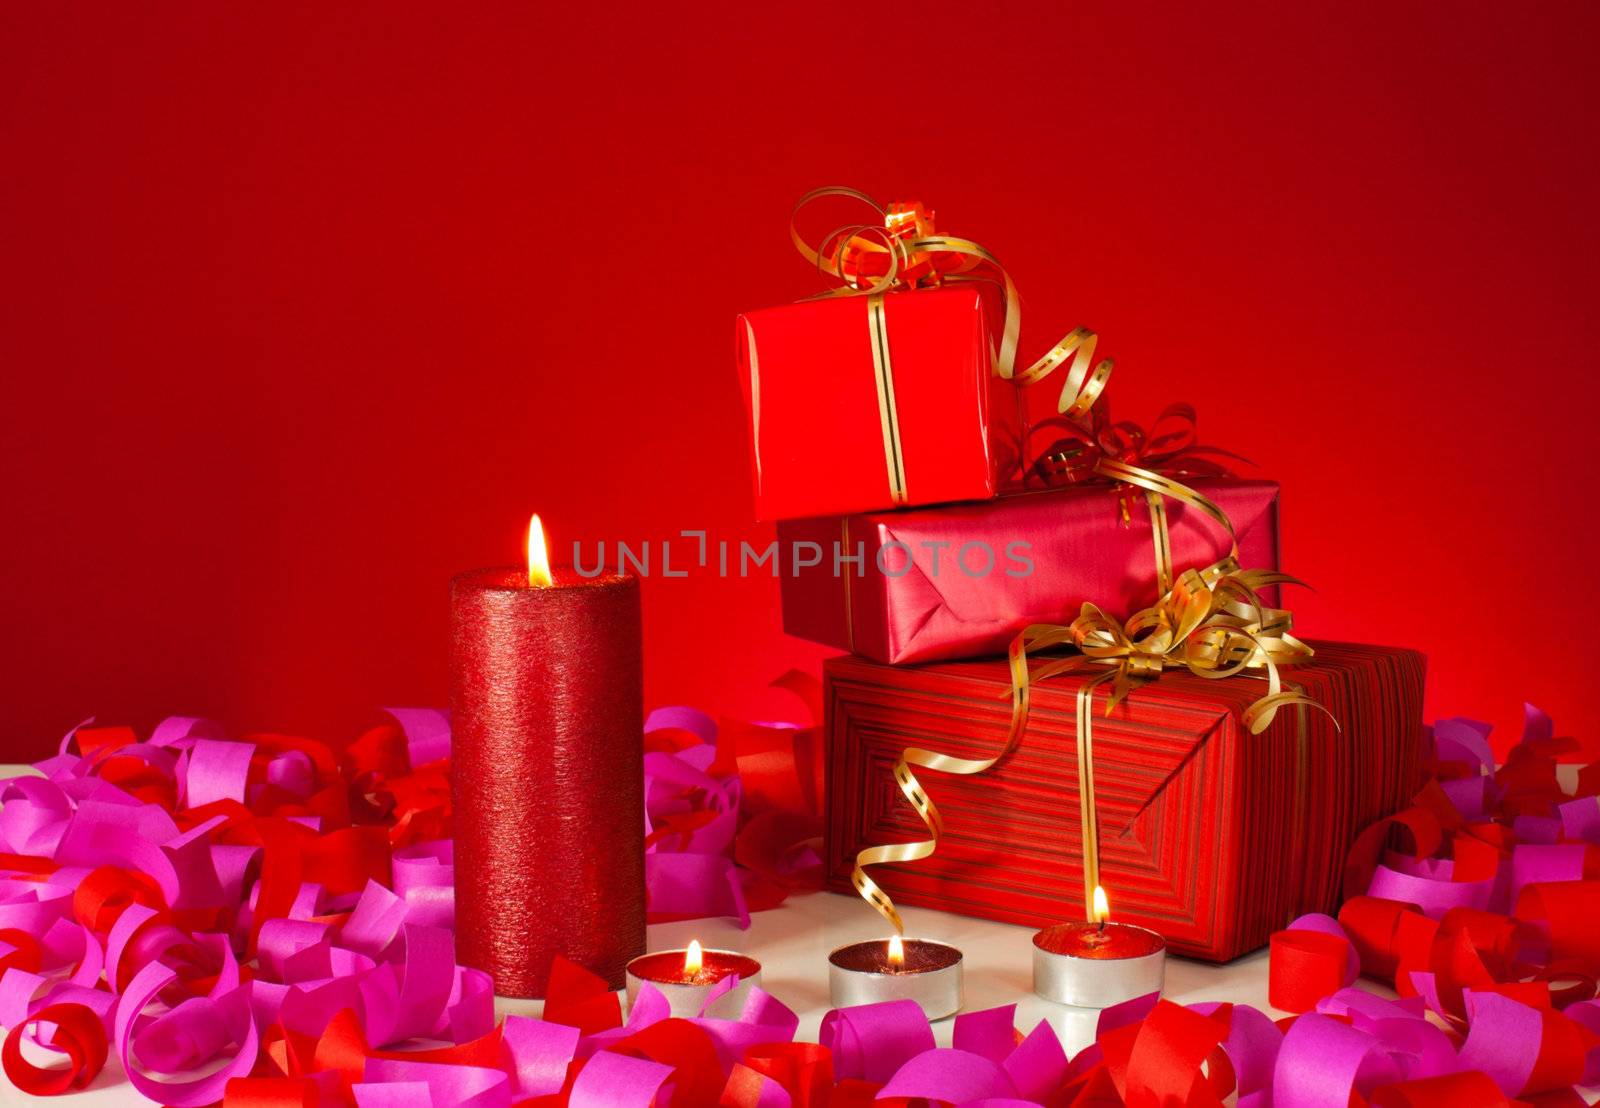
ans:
(732, 811)
(268, 923)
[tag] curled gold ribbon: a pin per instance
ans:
(901, 251)
(926, 810)
(1210, 621)
(888, 410)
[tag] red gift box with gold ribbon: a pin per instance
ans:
(1207, 833)
(898, 385)
(960, 580)
(862, 403)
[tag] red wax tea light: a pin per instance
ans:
(547, 703)
(897, 969)
(688, 977)
(1097, 964)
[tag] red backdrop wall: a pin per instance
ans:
(304, 309)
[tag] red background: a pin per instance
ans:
(303, 310)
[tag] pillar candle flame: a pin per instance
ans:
(897, 951)
(693, 959)
(1102, 910)
(538, 558)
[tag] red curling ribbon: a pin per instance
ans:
(25, 953)
(755, 784)
(1492, 935)
(1414, 941)
(1219, 1074)
(26, 864)
(1433, 800)
(580, 999)
(101, 897)
(1093, 1088)
(419, 805)
(1451, 1090)
(1564, 1047)
(1373, 927)
(781, 767)
(673, 740)
(343, 1049)
(1157, 1061)
(344, 861)
(696, 1072)
(98, 740)
(140, 779)
(281, 845)
(854, 1092)
(1477, 858)
(803, 1070)
(1589, 780)
(1304, 967)
(1419, 824)
(1457, 967)
(292, 1052)
(269, 745)
(271, 1092)
(1569, 909)
(78, 1033)
(745, 1088)
(380, 752)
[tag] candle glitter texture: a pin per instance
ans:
(547, 706)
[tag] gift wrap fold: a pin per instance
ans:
(1211, 835)
(961, 580)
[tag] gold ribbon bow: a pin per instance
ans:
(1211, 622)
(902, 251)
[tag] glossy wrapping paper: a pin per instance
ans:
(829, 433)
(1208, 835)
(548, 706)
(1079, 548)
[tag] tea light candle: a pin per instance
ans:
(686, 977)
(910, 969)
(1097, 964)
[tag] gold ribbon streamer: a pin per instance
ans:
(888, 412)
(1210, 621)
(912, 256)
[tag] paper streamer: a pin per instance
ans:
(289, 942)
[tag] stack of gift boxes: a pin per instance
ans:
(928, 515)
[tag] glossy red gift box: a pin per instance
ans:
(841, 423)
(1211, 836)
(916, 595)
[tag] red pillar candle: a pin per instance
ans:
(547, 710)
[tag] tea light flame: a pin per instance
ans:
(897, 951)
(1102, 909)
(538, 558)
(693, 959)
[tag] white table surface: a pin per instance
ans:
(792, 943)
